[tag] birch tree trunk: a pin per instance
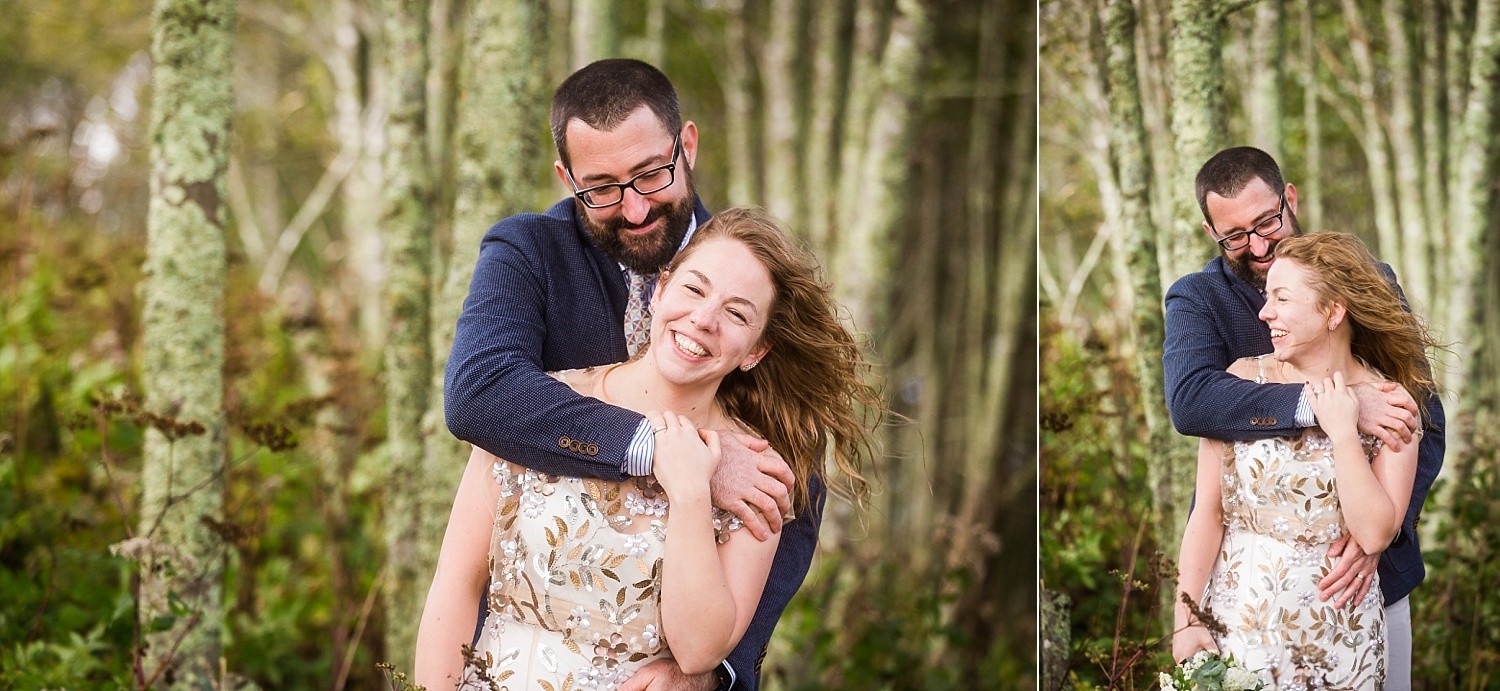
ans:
(501, 110)
(737, 79)
(783, 176)
(1268, 73)
(1373, 142)
(1170, 468)
(183, 340)
(1310, 194)
(1407, 159)
(406, 224)
(1198, 127)
(873, 199)
(594, 31)
(1471, 198)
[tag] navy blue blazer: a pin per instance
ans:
(1211, 321)
(545, 298)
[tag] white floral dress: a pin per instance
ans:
(575, 582)
(1281, 513)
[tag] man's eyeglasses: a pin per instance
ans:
(1265, 229)
(646, 182)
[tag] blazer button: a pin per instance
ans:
(1270, 422)
(591, 449)
(564, 442)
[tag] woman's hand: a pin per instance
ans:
(1189, 641)
(1335, 406)
(685, 456)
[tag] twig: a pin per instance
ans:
(359, 628)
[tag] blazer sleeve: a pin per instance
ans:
(496, 394)
(799, 539)
(1204, 400)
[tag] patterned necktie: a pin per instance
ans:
(637, 319)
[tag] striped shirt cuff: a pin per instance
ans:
(641, 450)
(1305, 416)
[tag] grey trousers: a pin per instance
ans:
(1398, 645)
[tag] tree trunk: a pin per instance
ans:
(1198, 126)
(873, 195)
(783, 174)
(1383, 187)
(1171, 470)
(738, 85)
(1310, 195)
(1268, 72)
(1471, 187)
(594, 31)
(1406, 139)
(502, 102)
(406, 224)
(183, 341)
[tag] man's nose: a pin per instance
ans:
(634, 206)
(1260, 246)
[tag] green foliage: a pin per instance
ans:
(1455, 615)
(1096, 545)
(868, 618)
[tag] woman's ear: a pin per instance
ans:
(1336, 314)
(661, 286)
(754, 358)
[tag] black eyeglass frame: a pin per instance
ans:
(583, 194)
(1242, 238)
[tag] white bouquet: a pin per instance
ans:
(1207, 671)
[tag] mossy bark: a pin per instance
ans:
(1198, 118)
(183, 342)
(406, 223)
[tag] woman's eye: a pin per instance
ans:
(694, 289)
(739, 317)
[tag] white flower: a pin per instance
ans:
(652, 638)
(637, 545)
(532, 504)
(638, 505)
(1238, 678)
(1166, 682)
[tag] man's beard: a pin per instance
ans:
(1241, 265)
(645, 254)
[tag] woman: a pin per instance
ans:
(1258, 539)
(591, 580)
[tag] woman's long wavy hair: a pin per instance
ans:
(811, 391)
(1386, 335)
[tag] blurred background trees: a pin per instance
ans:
(369, 147)
(1383, 115)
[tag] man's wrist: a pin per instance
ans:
(642, 449)
(1304, 416)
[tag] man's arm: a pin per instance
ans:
(1203, 399)
(497, 395)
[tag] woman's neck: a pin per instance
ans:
(1323, 363)
(638, 385)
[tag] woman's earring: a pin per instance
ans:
(748, 366)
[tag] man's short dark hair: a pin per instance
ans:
(1230, 170)
(604, 93)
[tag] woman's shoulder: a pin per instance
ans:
(581, 380)
(1258, 368)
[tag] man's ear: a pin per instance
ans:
(562, 174)
(1291, 197)
(690, 143)
(1210, 232)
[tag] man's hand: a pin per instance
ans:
(664, 675)
(753, 483)
(1387, 411)
(1351, 574)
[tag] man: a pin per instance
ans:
(1211, 321)
(568, 289)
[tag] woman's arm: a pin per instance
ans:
(1200, 548)
(1372, 495)
(453, 599)
(709, 591)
